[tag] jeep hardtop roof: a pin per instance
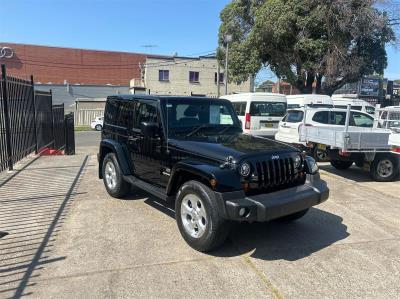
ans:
(128, 97)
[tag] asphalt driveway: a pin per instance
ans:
(107, 248)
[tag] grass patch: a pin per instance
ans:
(82, 128)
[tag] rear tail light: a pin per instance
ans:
(396, 150)
(247, 121)
(344, 154)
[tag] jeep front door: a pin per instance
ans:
(145, 150)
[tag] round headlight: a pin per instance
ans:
(245, 169)
(297, 161)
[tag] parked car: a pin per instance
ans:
(289, 127)
(309, 100)
(192, 151)
(97, 123)
(259, 112)
(342, 101)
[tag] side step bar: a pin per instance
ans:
(154, 190)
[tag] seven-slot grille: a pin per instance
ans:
(276, 172)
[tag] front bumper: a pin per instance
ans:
(269, 206)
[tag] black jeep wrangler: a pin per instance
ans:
(192, 150)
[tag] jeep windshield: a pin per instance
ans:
(193, 116)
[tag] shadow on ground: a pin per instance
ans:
(34, 201)
(273, 240)
(354, 173)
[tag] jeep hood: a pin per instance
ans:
(238, 146)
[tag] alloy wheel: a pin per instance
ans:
(194, 216)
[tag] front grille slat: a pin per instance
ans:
(277, 173)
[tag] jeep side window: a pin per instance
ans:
(146, 113)
(111, 111)
(126, 114)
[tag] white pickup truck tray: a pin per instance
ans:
(355, 139)
(394, 139)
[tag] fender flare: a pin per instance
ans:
(227, 180)
(121, 152)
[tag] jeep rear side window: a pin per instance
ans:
(126, 114)
(111, 112)
(146, 113)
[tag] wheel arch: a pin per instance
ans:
(227, 180)
(121, 152)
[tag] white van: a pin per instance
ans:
(309, 100)
(342, 100)
(259, 112)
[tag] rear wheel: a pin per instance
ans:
(294, 216)
(113, 178)
(198, 217)
(98, 127)
(385, 168)
(341, 165)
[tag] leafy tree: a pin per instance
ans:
(331, 42)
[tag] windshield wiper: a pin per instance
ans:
(197, 129)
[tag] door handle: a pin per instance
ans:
(133, 139)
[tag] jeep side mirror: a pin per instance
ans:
(149, 129)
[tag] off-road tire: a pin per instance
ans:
(294, 216)
(374, 172)
(121, 187)
(217, 228)
(341, 165)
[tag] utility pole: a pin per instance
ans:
(218, 83)
(227, 39)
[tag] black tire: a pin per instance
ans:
(294, 216)
(341, 165)
(121, 187)
(319, 155)
(379, 175)
(217, 229)
(98, 127)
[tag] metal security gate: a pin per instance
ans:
(18, 132)
(44, 119)
(29, 122)
(59, 127)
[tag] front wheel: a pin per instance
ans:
(385, 168)
(98, 127)
(198, 217)
(341, 165)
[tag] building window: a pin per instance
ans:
(163, 75)
(221, 78)
(194, 77)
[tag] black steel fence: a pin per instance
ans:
(29, 122)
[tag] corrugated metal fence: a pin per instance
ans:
(86, 116)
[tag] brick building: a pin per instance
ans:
(56, 65)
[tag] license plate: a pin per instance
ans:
(321, 146)
(269, 125)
